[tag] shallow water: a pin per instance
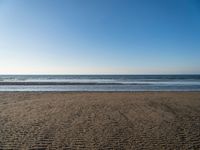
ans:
(99, 82)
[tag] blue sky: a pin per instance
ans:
(99, 36)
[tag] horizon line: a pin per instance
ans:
(105, 74)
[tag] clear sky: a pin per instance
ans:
(99, 36)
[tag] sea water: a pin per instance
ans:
(99, 82)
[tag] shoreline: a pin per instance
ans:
(2, 92)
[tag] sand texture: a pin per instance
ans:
(83, 120)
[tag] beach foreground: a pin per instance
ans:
(99, 120)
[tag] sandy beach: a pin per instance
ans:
(99, 120)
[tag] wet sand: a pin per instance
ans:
(99, 120)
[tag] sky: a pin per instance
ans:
(100, 37)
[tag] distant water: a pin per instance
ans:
(99, 82)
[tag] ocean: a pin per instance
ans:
(99, 82)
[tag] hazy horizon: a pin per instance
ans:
(99, 37)
(102, 74)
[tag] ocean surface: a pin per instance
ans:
(99, 82)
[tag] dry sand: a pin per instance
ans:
(83, 120)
